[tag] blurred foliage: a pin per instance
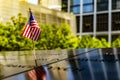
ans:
(56, 37)
(91, 42)
(52, 37)
(116, 43)
(10, 34)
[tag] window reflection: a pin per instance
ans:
(102, 22)
(88, 23)
(76, 9)
(75, 6)
(87, 1)
(64, 5)
(78, 23)
(115, 4)
(116, 21)
(102, 5)
(87, 6)
(76, 2)
(114, 37)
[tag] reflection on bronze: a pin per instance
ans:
(1, 68)
(88, 24)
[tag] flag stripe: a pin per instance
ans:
(28, 32)
(37, 32)
(38, 73)
(36, 38)
(33, 32)
(32, 74)
(24, 32)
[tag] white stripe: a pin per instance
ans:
(37, 34)
(26, 27)
(33, 32)
(28, 35)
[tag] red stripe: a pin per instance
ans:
(24, 32)
(34, 24)
(33, 32)
(41, 74)
(34, 38)
(32, 74)
(27, 31)
(37, 74)
(37, 35)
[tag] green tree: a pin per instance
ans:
(52, 36)
(56, 37)
(10, 35)
(92, 42)
(116, 43)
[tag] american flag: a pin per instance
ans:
(38, 73)
(31, 30)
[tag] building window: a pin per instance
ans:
(88, 23)
(78, 23)
(102, 22)
(64, 5)
(75, 6)
(114, 37)
(102, 37)
(115, 4)
(75, 9)
(88, 6)
(64, 9)
(116, 21)
(102, 5)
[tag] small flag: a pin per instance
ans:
(37, 74)
(31, 30)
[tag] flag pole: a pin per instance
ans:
(34, 53)
(35, 58)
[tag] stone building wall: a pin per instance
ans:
(42, 14)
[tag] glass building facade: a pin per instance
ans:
(115, 4)
(88, 6)
(64, 5)
(99, 18)
(75, 6)
(102, 5)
